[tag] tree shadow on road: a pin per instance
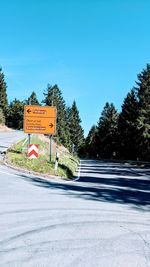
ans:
(109, 171)
(131, 191)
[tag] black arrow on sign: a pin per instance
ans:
(28, 110)
(51, 125)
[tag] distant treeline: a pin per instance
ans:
(124, 135)
(69, 130)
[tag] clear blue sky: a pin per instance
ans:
(93, 49)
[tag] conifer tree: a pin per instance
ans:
(143, 122)
(2, 117)
(15, 114)
(32, 99)
(76, 131)
(127, 127)
(53, 97)
(90, 142)
(3, 94)
(107, 132)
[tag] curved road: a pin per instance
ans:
(8, 138)
(100, 220)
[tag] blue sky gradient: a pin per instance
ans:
(93, 49)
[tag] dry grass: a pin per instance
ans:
(67, 166)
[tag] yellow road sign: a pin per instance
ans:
(41, 120)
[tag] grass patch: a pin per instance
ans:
(17, 156)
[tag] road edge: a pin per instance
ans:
(79, 172)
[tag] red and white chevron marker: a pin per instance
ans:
(33, 151)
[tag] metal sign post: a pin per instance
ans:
(29, 139)
(50, 154)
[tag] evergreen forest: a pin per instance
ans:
(69, 130)
(124, 135)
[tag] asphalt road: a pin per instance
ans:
(100, 220)
(8, 138)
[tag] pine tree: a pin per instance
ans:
(53, 97)
(2, 117)
(107, 132)
(143, 122)
(15, 114)
(32, 100)
(127, 127)
(76, 131)
(90, 142)
(3, 93)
